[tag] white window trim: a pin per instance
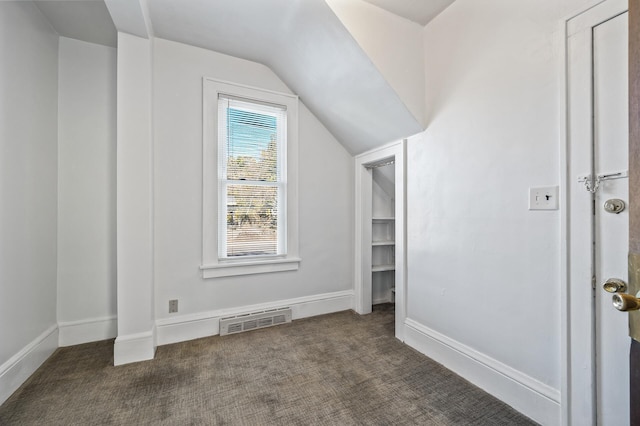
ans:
(212, 266)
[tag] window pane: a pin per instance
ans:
(252, 220)
(251, 146)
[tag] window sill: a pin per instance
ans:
(251, 267)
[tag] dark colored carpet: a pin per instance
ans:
(338, 369)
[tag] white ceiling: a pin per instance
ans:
(418, 11)
(309, 48)
(302, 41)
(82, 20)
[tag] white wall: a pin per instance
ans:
(393, 44)
(28, 193)
(86, 191)
(483, 270)
(325, 193)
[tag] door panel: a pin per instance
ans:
(634, 192)
(610, 126)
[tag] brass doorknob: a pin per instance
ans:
(625, 302)
(614, 285)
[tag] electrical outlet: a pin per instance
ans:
(543, 198)
(173, 306)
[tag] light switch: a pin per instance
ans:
(544, 198)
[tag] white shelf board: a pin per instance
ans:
(383, 243)
(382, 268)
(383, 219)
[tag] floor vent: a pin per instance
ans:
(254, 320)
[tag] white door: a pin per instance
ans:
(597, 334)
(611, 148)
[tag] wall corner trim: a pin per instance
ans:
(15, 371)
(205, 324)
(89, 330)
(134, 347)
(532, 398)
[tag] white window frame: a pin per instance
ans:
(280, 183)
(214, 264)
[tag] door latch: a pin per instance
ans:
(614, 285)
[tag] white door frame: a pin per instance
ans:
(577, 302)
(364, 182)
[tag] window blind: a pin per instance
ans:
(251, 143)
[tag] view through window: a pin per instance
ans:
(252, 139)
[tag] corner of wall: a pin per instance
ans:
(189, 327)
(85, 331)
(18, 368)
(135, 347)
(532, 398)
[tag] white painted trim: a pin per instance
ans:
(134, 347)
(212, 266)
(363, 238)
(195, 326)
(534, 399)
(247, 89)
(585, 19)
(15, 371)
(401, 292)
(248, 268)
(565, 357)
(89, 330)
(362, 257)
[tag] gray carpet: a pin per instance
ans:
(338, 369)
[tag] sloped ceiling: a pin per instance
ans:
(82, 20)
(307, 46)
(418, 11)
(302, 41)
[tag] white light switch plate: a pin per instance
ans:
(543, 198)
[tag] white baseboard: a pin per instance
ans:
(134, 348)
(189, 327)
(19, 367)
(532, 398)
(85, 331)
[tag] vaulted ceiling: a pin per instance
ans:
(418, 11)
(302, 41)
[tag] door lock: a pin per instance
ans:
(621, 301)
(626, 302)
(614, 285)
(614, 205)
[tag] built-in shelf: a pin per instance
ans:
(383, 234)
(382, 268)
(383, 243)
(382, 248)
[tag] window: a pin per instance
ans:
(252, 189)
(250, 180)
